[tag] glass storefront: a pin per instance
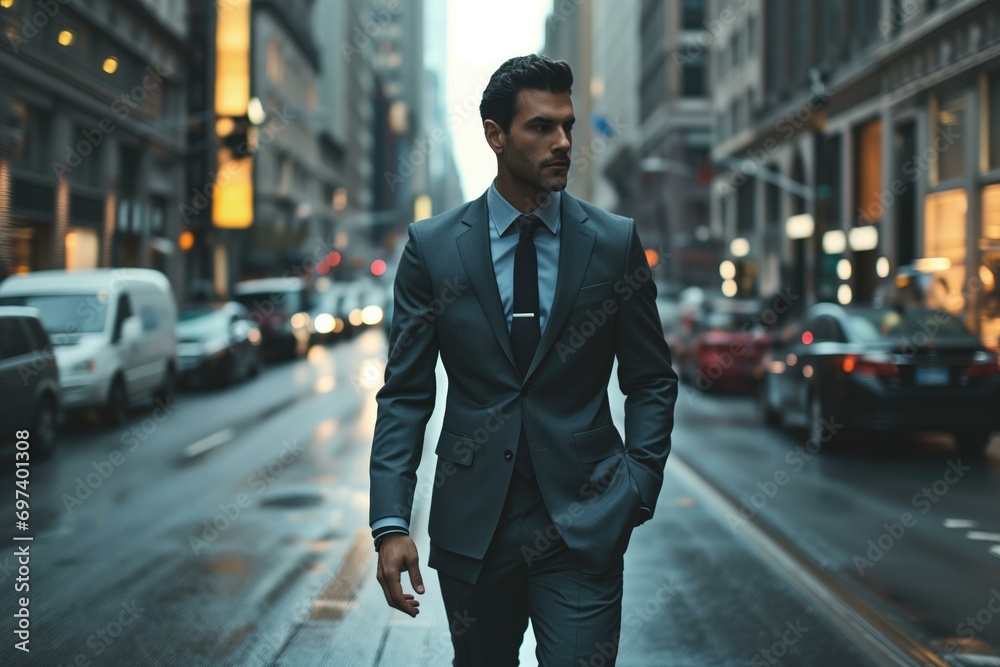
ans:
(989, 269)
(945, 247)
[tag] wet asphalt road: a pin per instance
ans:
(210, 538)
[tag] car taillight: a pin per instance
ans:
(869, 366)
(982, 369)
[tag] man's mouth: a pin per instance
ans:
(558, 165)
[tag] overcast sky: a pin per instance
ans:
(480, 36)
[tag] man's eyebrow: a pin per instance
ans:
(543, 119)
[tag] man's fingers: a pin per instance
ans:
(413, 567)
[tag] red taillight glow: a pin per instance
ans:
(986, 369)
(807, 338)
(869, 367)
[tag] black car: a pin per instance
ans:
(29, 380)
(883, 369)
(217, 345)
(279, 307)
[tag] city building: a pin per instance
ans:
(858, 150)
(92, 140)
(675, 121)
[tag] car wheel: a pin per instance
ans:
(116, 408)
(44, 427)
(972, 442)
(165, 394)
(769, 415)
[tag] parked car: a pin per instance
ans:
(724, 345)
(29, 380)
(113, 330)
(279, 307)
(217, 344)
(884, 369)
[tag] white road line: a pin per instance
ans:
(211, 442)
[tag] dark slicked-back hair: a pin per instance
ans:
(532, 72)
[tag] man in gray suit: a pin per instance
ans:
(528, 295)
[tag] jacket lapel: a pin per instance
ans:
(576, 244)
(474, 249)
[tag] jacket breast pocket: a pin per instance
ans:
(595, 292)
(456, 447)
(598, 444)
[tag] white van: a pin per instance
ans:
(114, 332)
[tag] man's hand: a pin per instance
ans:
(398, 554)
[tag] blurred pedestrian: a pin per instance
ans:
(528, 294)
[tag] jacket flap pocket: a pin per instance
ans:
(456, 447)
(599, 443)
(594, 292)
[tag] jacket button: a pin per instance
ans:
(525, 391)
(508, 455)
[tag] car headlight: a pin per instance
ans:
(86, 366)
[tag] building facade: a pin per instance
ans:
(92, 141)
(675, 120)
(858, 148)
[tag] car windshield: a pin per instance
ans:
(883, 324)
(727, 321)
(266, 302)
(202, 323)
(66, 313)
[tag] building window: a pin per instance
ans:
(275, 62)
(993, 127)
(944, 238)
(693, 15)
(693, 77)
(947, 138)
(989, 270)
(868, 157)
(751, 35)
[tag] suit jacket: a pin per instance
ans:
(447, 302)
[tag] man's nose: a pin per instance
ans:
(563, 141)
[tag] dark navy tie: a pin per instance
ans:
(525, 328)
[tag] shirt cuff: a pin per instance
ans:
(391, 521)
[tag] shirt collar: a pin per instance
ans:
(504, 214)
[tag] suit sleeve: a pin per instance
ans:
(406, 399)
(645, 375)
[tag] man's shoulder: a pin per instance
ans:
(443, 222)
(605, 218)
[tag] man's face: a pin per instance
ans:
(537, 148)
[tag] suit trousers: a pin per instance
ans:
(529, 572)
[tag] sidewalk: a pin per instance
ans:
(695, 595)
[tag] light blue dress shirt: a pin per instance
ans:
(503, 243)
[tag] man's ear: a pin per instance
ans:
(495, 136)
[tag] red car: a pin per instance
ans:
(725, 349)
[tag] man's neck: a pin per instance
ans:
(524, 199)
